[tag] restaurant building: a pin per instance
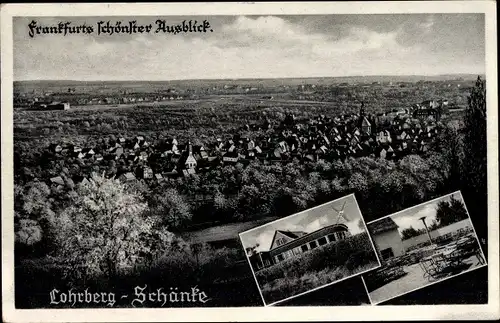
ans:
(288, 244)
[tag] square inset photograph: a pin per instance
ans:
(309, 250)
(421, 246)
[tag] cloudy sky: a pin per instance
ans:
(257, 47)
(410, 217)
(308, 221)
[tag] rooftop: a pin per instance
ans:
(386, 224)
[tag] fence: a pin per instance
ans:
(423, 239)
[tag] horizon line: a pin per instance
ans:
(253, 78)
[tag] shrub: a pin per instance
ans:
(351, 253)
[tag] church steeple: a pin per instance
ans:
(362, 110)
(363, 122)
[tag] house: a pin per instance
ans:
(384, 137)
(250, 145)
(390, 152)
(426, 113)
(366, 126)
(88, 151)
(117, 152)
(56, 148)
(51, 106)
(189, 171)
(143, 156)
(230, 157)
(188, 161)
(61, 106)
(172, 173)
(126, 177)
(385, 235)
(146, 172)
(403, 136)
(288, 244)
(57, 181)
(85, 181)
(383, 153)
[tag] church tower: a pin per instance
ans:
(190, 162)
(362, 110)
(364, 123)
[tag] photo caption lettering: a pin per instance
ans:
(142, 296)
(119, 27)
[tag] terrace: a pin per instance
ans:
(424, 266)
(414, 278)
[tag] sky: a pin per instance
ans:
(307, 221)
(411, 216)
(256, 47)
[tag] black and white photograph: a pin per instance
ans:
(174, 155)
(422, 245)
(309, 250)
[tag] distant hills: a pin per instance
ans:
(261, 81)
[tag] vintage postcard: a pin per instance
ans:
(309, 250)
(187, 162)
(422, 245)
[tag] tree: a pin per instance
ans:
(474, 173)
(410, 233)
(106, 231)
(252, 250)
(433, 226)
(458, 209)
(36, 200)
(28, 232)
(450, 212)
(449, 146)
(475, 137)
(361, 225)
(171, 209)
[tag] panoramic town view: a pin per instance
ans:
(144, 169)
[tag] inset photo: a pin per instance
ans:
(421, 246)
(309, 250)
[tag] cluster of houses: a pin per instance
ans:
(430, 108)
(310, 140)
(129, 99)
(46, 102)
(44, 105)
